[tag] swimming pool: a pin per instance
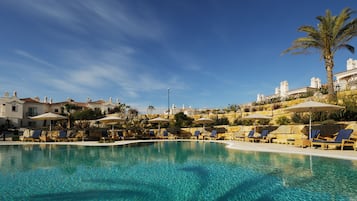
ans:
(170, 171)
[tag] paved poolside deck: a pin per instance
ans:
(245, 146)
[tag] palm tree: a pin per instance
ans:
(150, 109)
(332, 33)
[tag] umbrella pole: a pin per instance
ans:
(310, 128)
(159, 130)
(254, 127)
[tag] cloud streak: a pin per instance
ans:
(104, 17)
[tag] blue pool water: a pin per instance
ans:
(169, 171)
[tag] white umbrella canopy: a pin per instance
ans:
(48, 116)
(313, 106)
(111, 120)
(204, 121)
(159, 121)
(257, 117)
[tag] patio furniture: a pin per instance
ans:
(105, 137)
(35, 136)
(250, 136)
(342, 139)
(62, 136)
(196, 134)
(213, 135)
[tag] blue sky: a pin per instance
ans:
(209, 53)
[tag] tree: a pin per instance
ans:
(132, 113)
(182, 120)
(120, 108)
(150, 109)
(332, 33)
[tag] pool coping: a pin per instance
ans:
(237, 145)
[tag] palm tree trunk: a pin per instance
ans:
(329, 63)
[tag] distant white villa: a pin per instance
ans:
(283, 91)
(347, 80)
(17, 112)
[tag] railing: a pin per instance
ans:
(31, 114)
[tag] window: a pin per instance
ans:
(14, 108)
(32, 111)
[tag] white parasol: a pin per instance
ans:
(159, 121)
(48, 116)
(111, 120)
(313, 106)
(204, 121)
(257, 117)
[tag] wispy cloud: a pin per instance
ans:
(33, 58)
(98, 50)
(104, 16)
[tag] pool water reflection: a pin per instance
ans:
(170, 171)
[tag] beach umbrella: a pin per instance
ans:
(48, 116)
(257, 117)
(159, 121)
(203, 121)
(111, 120)
(313, 106)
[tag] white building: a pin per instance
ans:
(11, 110)
(315, 83)
(18, 112)
(283, 91)
(347, 80)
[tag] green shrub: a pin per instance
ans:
(283, 120)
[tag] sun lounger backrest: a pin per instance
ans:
(151, 133)
(214, 133)
(62, 134)
(343, 135)
(105, 133)
(36, 134)
(197, 133)
(264, 133)
(251, 133)
(315, 133)
(165, 133)
(120, 133)
(26, 133)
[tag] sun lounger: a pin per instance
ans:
(250, 136)
(36, 134)
(25, 135)
(120, 135)
(152, 134)
(303, 142)
(73, 135)
(62, 136)
(213, 135)
(315, 134)
(196, 134)
(105, 137)
(342, 139)
(263, 136)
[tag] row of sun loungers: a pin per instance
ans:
(342, 139)
(205, 136)
(44, 136)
